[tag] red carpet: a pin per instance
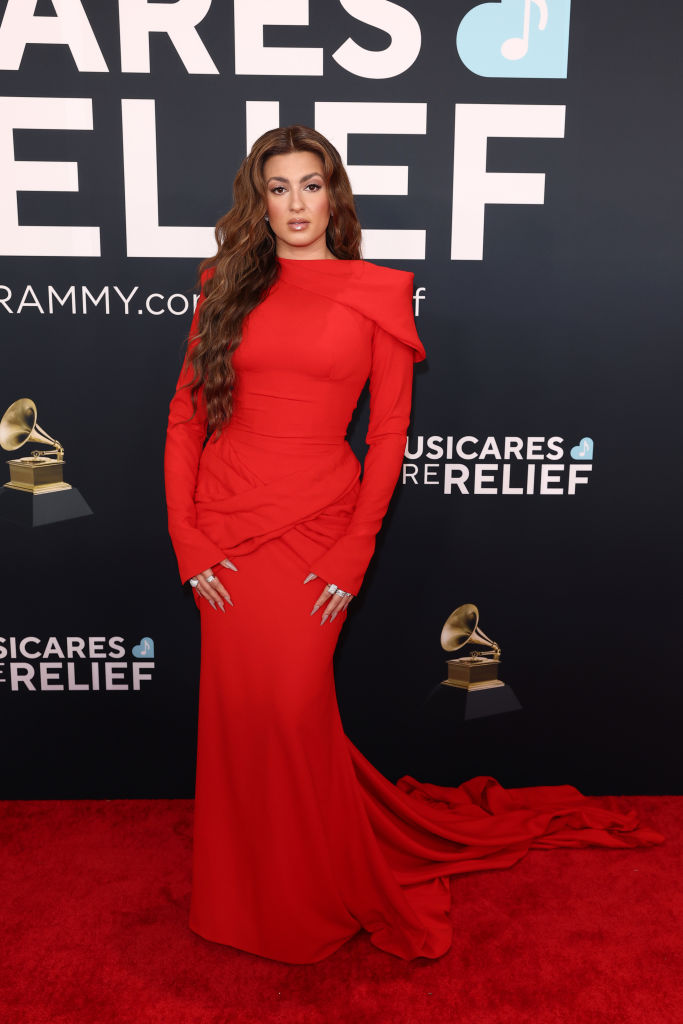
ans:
(95, 899)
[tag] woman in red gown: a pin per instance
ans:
(299, 842)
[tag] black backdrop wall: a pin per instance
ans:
(536, 200)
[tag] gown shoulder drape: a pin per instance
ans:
(299, 842)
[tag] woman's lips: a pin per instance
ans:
(297, 225)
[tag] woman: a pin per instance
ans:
(299, 842)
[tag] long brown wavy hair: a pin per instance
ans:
(246, 266)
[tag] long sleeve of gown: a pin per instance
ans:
(391, 377)
(185, 436)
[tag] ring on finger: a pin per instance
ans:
(210, 579)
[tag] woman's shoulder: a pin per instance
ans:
(386, 295)
(387, 284)
(390, 275)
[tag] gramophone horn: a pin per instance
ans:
(19, 425)
(462, 627)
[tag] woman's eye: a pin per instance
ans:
(279, 189)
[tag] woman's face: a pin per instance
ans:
(298, 205)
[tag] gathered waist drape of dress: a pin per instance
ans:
(254, 486)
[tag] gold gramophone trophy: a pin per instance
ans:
(36, 492)
(476, 672)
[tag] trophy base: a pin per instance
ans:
(460, 684)
(38, 488)
(473, 673)
(452, 702)
(41, 507)
(37, 473)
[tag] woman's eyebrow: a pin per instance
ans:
(275, 177)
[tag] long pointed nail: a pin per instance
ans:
(311, 576)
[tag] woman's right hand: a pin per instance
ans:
(208, 586)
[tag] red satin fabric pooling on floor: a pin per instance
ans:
(299, 842)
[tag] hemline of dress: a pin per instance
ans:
(254, 952)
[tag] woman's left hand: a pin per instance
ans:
(338, 599)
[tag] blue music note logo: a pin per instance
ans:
(145, 649)
(489, 41)
(583, 450)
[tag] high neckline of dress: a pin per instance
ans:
(305, 268)
(291, 259)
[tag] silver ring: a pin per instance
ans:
(210, 579)
(194, 582)
(332, 587)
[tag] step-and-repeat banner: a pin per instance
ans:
(523, 159)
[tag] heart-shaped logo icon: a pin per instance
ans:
(509, 39)
(583, 450)
(145, 649)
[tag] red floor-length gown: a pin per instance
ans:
(299, 842)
